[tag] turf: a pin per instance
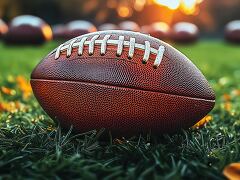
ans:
(32, 146)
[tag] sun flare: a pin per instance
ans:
(186, 6)
(173, 4)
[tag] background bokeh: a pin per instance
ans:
(209, 15)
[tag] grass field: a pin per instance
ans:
(31, 146)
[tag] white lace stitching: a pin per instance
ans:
(131, 48)
(91, 45)
(104, 44)
(121, 43)
(80, 46)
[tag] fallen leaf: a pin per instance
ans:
(226, 97)
(236, 92)
(232, 171)
(202, 122)
(12, 106)
(24, 86)
(228, 106)
(8, 91)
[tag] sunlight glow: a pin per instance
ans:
(171, 4)
(47, 32)
(189, 7)
(3, 29)
(161, 25)
(139, 5)
(124, 11)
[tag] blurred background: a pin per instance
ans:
(209, 15)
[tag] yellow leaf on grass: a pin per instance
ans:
(24, 86)
(236, 92)
(8, 106)
(227, 106)
(232, 171)
(8, 91)
(226, 97)
(202, 122)
(12, 106)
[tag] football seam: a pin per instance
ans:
(127, 87)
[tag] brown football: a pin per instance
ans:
(78, 28)
(185, 32)
(58, 32)
(123, 81)
(107, 26)
(232, 31)
(27, 29)
(158, 30)
(129, 26)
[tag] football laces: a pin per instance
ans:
(80, 42)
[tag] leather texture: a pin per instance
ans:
(120, 94)
(124, 111)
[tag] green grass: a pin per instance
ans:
(31, 146)
(17, 60)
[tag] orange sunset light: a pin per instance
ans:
(173, 4)
(124, 11)
(186, 6)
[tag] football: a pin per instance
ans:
(78, 28)
(3, 28)
(184, 32)
(232, 31)
(58, 32)
(129, 26)
(125, 82)
(27, 29)
(158, 30)
(107, 26)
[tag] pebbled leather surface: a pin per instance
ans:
(124, 111)
(175, 75)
